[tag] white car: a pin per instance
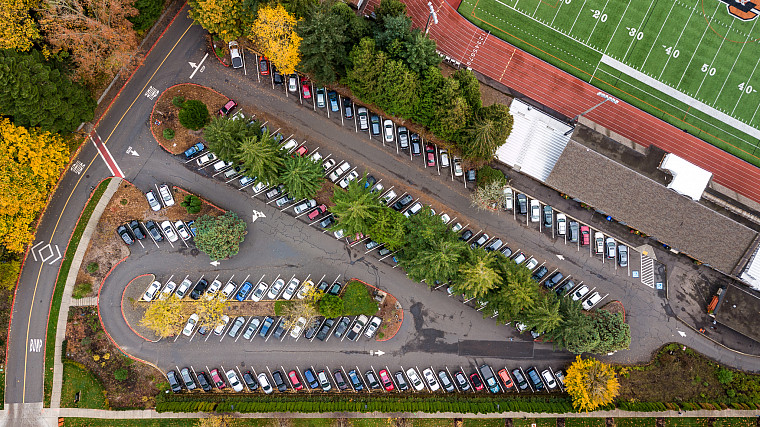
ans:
(349, 177)
(413, 210)
(580, 293)
(431, 380)
(338, 234)
(458, 226)
(599, 242)
(264, 383)
(298, 327)
(166, 195)
(315, 156)
(535, 210)
(340, 170)
(258, 293)
(549, 379)
(290, 290)
(374, 323)
(361, 114)
(206, 158)
(151, 292)
(327, 164)
(532, 263)
(389, 196)
(214, 287)
(237, 60)
(445, 218)
(561, 224)
(292, 83)
(414, 379)
(168, 289)
(222, 324)
(378, 188)
(228, 290)
(277, 286)
(289, 146)
(508, 199)
(444, 158)
(305, 289)
(458, 167)
(589, 303)
(259, 187)
(388, 127)
(190, 326)
(152, 201)
(182, 230)
(166, 226)
(304, 206)
(232, 378)
(183, 288)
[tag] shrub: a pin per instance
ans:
(331, 306)
(8, 273)
(121, 374)
(178, 101)
(93, 267)
(168, 134)
(487, 174)
(357, 300)
(192, 204)
(725, 376)
(148, 12)
(194, 115)
(81, 290)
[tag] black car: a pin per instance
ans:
(332, 99)
(402, 202)
(553, 280)
(323, 286)
(371, 180)
(548, 217)
(250, 381)
(540, 273)
(174, 381)
(374, 124)
(278, 331)
(328, 221)
(203, 381)
(279, 381)
(335, 289)
(137, 229)
(277, 76)
(519, 379)
(416, 144)
(199, 289)
(342, 327)
(401, 381)
(565, 288)
(522, 204)
(532, 374)
(154, 231)
(325, 330)
(466, 235)
(470, 175)
(348, 108)
(312, 330)
(126, 236)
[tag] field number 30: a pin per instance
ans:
(599, 15)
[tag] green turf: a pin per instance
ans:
(669, 41)
(166, 422)
(313, 422)
(539, 422)
(78, 379)
(735, 422)
(686, 422)
(585, 422)
(635, 422)
(482, 422)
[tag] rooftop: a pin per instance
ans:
(739, 311)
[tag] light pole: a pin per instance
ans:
(433, 15)
(574, 121)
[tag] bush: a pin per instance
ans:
(121, 374)
(357, 300)
(148, 13)
(93, 267)
(280, 307)
(178, 101)
(487, 174)
(8, 273)
(169, 134)
(81, 290)
(194, 115)
(725, 376)
(331, 306)
(192, 204)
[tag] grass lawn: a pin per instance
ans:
(686, 422)
(371, 422)
(634, 422)
(482, 422)
(312, 422)
(539, 422)
(78, 379)
(433, 422)
(585, 422)
(735, 422)
(167, 422)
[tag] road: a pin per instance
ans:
(278, 243)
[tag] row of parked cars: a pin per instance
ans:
(484, 377)
(135, 230)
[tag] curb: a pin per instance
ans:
(394, 297)
(202, 199)
(122, 305)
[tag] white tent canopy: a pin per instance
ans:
(688, 179)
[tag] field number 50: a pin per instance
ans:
(599, 15)
(707, 69)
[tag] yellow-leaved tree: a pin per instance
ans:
(17, 28)
(210, 310)
(32, 162)
(274, 32)
(165, 317)
(591, 384)
(220, 17)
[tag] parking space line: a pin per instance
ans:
(306, 385)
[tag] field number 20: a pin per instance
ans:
(599, 15)
(707, 69)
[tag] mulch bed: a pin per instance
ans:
(615, 307)
(87, 343)
(165, 115)
(392, 315)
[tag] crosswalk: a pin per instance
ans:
(647, 270)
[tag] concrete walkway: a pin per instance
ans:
(67, 301)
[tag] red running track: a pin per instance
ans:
(461, 40)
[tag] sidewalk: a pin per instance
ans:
(67, 301)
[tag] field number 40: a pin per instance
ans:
(671, 52)
(746, 88)
(707, 69)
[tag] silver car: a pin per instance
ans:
(276, 288)
(304, 206)
(388, 127)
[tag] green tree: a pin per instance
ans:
(389, 8)
(576, 332)
(323, 48)
(487, 174)
(35, 93)
(399, 94)
(220, 237)
(419, 52)
(221, 17)
(331, 306)
(192, 204)
(357, 26)
(488, 131)
(149, 11)
(393, 34)
(225, 135)
(439, 262)
(469, 87)
(478, 275)
(388, 228)
(302, 177)
(300, 8)
(428, 89)
(517, 292)
(543, 316)
(614, 333)
(355, 209)
(367, 64)
(194, 114)
(262, 158)
(357, 300)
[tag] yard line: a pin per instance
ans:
(675, 45)
(597, 21)
(713, 60)
(577, 16)
(717, 5)
(742, 94)
(561, 3)
(537, 6)
(752, 119)
(638, 26)
(656, 38)
(616, 27)
(735, 61)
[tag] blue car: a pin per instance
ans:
(244, 290)
(333, 97)
(266, 326)
(195, 149)
(355, 380)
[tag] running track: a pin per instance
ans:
(459, 39)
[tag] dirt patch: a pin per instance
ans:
(165, 115)
(392, 315)
(87, 343)
(106, 247)
(614, 307)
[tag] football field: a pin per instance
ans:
(692, 63)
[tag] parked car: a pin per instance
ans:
(174, 383)
(166, 226)
(430, 155)
(237, 325)
(319, 210)
(342, 327)
(506, 251)
(195, 149)
(264, 383)
(327, 222)
(431, 380)
(572, 233)
(152, 291)
(152, 201)
(599, 242)
(249, 381)
(519, 258)
(374, 323)
(508, 199)
(335, 289)
(561, 224)
(125, 234)
(201, 161)
(353, 334)
(535, 210)
(551, 384)
(444, 162)
(622, 252)
(548, 217)
(531, 264)
(611, 246)
(461, 380)
(324, 382)
(522, 383)
(290, 290)
(168, 289)
(340, 170)
(416, 144)
(361, 115)
(292, 83)
(277, 77)
(183, 288)
(506, 380)
(560, 374)
(489, 378)
(232, 378)
(204, 382)
(471, 175)
(446, 382)
(332, 98)
(190, 325)
(227, 108)
(371, 380)
(237, 60)
(251, 328)
(274, 192)
(154, 231)
(310, 378)
(479, 241)
(182, 230)
(585, 235)
(348, 178)
(414, 379)
(356, 382)
(374, 124)
(263, 66)
(402, 202)
(242, 293)
(388, 130)
(565, 288)
(321, 102)
(348, 108)
(553, 280)
(304, 206)
(413, 210)
(591, 301)
(532, 374)
(477, 383)
(324, 331)
(340, 380)
(540, 273)
(403, 137)
(266, 326)
(401, 381)
(295, 380)
(298, 327)
(466, 235)
(277, 286)
(221, 325)
(580, 292)
(458, 167)
(199, 289)
(522, 204)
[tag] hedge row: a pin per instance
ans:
(686, 406)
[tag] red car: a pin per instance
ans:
(294, 379)
(227, 108)
(319, 210)
(476, 382)
(263, 66)
(504, 375)
(306, 89)
(385, 378)
(585, 235)
(220, 384)
(302, 150)
(430, 155)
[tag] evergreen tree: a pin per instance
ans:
(543, 316)
(355, 209)
(323, 48)
(262, 158)
(367, 64)
(302, 177)
(478, 275)
(419, 53)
